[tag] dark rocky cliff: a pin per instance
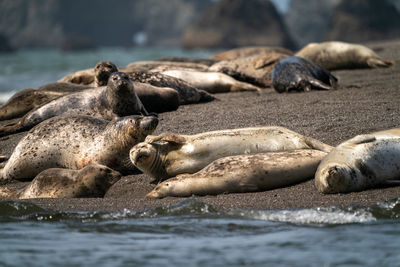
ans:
(233, 23)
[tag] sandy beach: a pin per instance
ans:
(367, 100)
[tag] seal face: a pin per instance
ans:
(169, 155)
(92, 181)
(299, 74)
(244, 173)
(74, 142)
(341, 55)
(117, 99)
(102, 72)
(363, 162)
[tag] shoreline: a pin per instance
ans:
(366, 100)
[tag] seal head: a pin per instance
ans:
(103, 71)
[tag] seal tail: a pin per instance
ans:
(322, 86)
(205, 96)
(377, 62)
(318, 145)
(11, 129)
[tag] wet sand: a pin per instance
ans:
(367, 100)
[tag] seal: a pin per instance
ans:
(212, 82)
(250, 51)
(300, 74)
(29, 98)
(204, 61)
(160, 66)
(73, 142)
(168, 155)
(255, 69)
(244, 173)
(157, 99)
(340, 55)
(363, 162)
(116, 100)
(188, 94)
(91, 181)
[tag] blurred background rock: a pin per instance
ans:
(71, 25)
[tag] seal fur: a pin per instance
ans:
(74, 142)
(168, 155)
(244, 173)
(91, 181)
(363, 162)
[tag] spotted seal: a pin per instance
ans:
(27, 99)
(117, 99)
(73, 142)
(300, 74)
(254, 69)
(212, 82)
(363, 162)
(168, 155)
(341, 55)
(244, 173)
(91, 181)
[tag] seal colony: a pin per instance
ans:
(225, 161)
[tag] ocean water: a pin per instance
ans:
(189, 233)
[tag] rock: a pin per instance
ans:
(233, 23)
(364, 20)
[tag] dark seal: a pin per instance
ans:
(300, 74)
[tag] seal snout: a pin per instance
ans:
(149, 123)
(331, 179)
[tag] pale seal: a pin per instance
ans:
(159, 66)
(300, 74)
(250, 51)
(91, 181)
(244, 173)
(255, 69)
(169, 155)
(73, 142)
(116, 100)
(363, 162)
(212, 82)
(204, 61)
(340, 55)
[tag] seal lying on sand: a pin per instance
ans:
(159, 66)
(300, 74)
(363, 162)
(117, 99)
(204, 61)
(251, 51)
(244, 173)
(28, 99)
(251, 69)
(187, 93)
(340, 55)
(74, 142)
(212, 82)
(92, 181)
(168, 155)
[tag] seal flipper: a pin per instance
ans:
(317, 84)
(12, 128)
(377, 62)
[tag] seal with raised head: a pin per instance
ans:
(91, 181)
(244, 173)
(300, 74)
(255, 69)
(340, 55)
(168, 155)
(74, 142)
(116, 100)
(363, 162)
(212, 82)
(251, 51)
(29, 98)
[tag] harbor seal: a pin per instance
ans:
(300, 74)
(212, 82)
(91, 181)
(168, 155)
(340, 55)
(363, 162)
(116, 100)
(204, 61)
(244, 173)
(29, 98)
(250, 51)
(188, 94)
(74, 142)
(159, 66)
(255, 69)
